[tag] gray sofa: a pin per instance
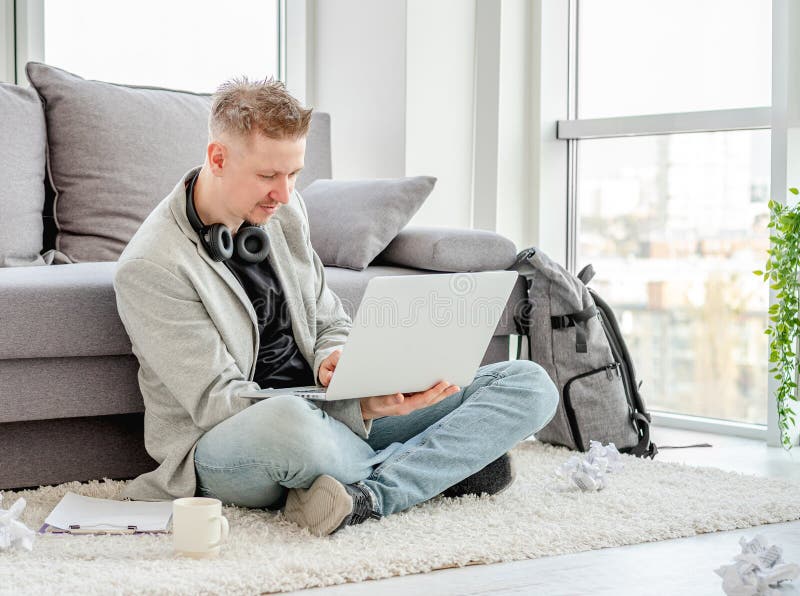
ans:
(70, 407)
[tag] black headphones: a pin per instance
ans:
(251, 245)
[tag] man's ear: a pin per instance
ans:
(216, 154)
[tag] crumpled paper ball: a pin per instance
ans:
(588, 471)
(13, 533)
(757, 569)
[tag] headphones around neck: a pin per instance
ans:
(251, 244)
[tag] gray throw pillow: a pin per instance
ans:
(449, 249)
(114, 151)
(22, 170)
(352, 221)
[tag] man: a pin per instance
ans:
(205, 329)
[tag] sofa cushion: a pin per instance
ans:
(449, 249)
(22, 170)
(351, 221)
(116, 150)
(62, 310)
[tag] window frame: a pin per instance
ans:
(8, 51)
(22, 32)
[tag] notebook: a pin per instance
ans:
(77, 514)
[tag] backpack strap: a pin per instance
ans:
(519, 347)
(578, 320)
(586, 274)
(644, 448)
(522, 316)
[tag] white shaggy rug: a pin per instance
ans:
(538, 515)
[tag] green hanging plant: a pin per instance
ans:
(784, 326)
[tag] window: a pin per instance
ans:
(192, 45)
(671, 159)
(674, 226)
(666, 56)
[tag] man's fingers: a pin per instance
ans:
(440, 388)
(435, 390)
(331, 360)
(328, 366)
(436, 393)
(447, 392)
(417, 400)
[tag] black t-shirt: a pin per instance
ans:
(279, 362)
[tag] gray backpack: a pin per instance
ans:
(573, 334)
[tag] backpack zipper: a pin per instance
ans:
(570, 411)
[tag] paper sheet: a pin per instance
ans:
(757, 569)
(13, 533)
(588, 471)
(107, 514)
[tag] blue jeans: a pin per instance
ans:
(254, 457)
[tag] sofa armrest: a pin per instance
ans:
(449, 249)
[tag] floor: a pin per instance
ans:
(681, 566)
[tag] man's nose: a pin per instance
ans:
(282, 190)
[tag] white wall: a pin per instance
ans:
(418, 87)
(549, 100)
(359, 77)
(440, 42)
(514, 196)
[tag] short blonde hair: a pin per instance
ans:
(241, 107)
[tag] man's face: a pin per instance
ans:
(259, 175)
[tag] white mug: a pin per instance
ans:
(198, 527)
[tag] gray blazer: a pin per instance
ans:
(193, 329)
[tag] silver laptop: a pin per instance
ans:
(412, 331)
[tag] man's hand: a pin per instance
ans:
(327, 367)
(400, 404)
(396, 404)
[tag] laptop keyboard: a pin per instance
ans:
(310, 391)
